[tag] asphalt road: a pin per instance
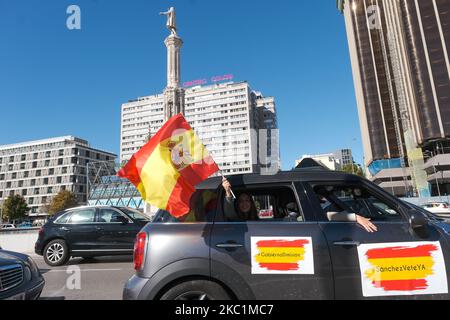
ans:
(93, 279)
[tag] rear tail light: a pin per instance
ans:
(139, 250)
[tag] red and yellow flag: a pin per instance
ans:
(401, 268)
(167, 169)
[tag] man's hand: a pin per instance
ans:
(366, 224)
(227, 186)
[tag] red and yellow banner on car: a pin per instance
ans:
(167, 169)
(405, 268)
(282, 255)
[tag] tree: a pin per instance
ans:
(353, 169)
(62, 201)
(14, 208)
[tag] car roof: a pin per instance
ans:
(306, 174)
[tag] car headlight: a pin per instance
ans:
(33, 266)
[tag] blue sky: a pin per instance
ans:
(54, 81)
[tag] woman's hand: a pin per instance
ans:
(366, 224)
(227, 186)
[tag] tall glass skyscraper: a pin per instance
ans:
(401, 70)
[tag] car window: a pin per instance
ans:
(110, 216)
(163, 216)
(63, 218)
(135, 214)
(203, 206)
(339, 201)
(261, 204)
(82, 216)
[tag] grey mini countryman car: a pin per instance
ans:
(299, 238)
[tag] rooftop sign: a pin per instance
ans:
(199, 82)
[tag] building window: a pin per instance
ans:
(35, 156)
(26, 174)
(48, 154)
(44, 200)
(60, 161)
(2, 177)
(38, 173)
(58, 179)
(34, 165)
(51, 172)
(36, 191)
(61, 152)
(23, 157)
(24, 192)
(33, 182)
(45, 180)
(8, 185)
(14, 176)
(11, 159)
(30, 201)
(64, 170)
(10, 167)
(49, 190)
(20, 183)
(1, 194)
(47, 163)
(22, 166)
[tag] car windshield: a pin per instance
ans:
(135, 214)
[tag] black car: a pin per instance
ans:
(291, 249)
(89, 232)
(20, 278)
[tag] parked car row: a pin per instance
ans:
(287, 249)
(23, 225)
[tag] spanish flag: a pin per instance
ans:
(401, 268)
(167, 169)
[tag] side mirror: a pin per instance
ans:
(417, 220)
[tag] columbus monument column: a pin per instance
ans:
(173, 93)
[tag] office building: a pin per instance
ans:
(234, 122)
(401, 71)
(38, 170)
(344, 157)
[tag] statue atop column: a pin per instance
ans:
(171, 20)
(173, 93)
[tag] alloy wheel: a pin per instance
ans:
(55, 253)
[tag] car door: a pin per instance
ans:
(282, 255)
(382, 264)
(79, 230)
(116, 231)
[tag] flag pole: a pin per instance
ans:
(232, 193)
